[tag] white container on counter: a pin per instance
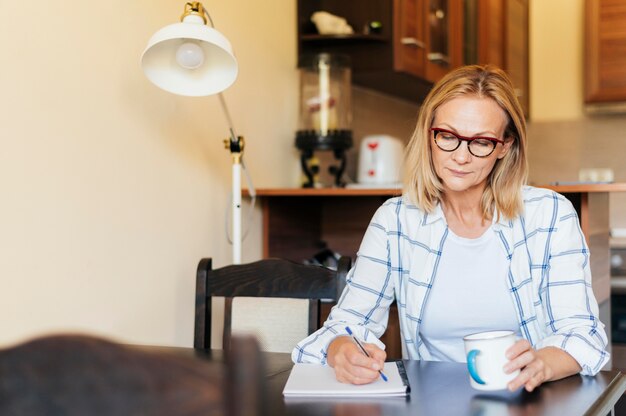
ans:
(380, 161)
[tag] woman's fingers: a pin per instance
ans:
(531, 376)
(353, 366)
(518, 348)
(520, 361)
(376, 354)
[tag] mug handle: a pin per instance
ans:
(471, 366)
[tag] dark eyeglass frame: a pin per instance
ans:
(469, 140)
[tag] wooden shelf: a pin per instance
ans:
(357, 37)
(586, 187)
(574, 188)
(326, 192)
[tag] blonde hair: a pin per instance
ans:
(504, 184)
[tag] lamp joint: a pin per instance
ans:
(235, 145)
(194, 8)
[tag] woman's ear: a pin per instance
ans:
(508, 142)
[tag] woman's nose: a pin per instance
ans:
(461, 154)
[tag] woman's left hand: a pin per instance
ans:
(533, 368)
(538, 366)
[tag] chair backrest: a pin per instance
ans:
(269, 278)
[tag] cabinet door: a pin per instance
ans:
(516, 52)
(428, 37)
(605, 49)
(409, 38)
(502, 40)
(444, 37)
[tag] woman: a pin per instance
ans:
(469, 248)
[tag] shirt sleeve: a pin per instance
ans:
(570, 307)
(364, 303)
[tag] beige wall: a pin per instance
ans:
(562, 139)
(112, 189)
(556, 59)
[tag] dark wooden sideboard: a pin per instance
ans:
(298, 223)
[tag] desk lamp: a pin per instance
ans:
(192, 59)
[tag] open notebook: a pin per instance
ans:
(313, 380)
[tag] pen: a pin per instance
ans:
(356, 340)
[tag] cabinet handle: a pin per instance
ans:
(438, 58)
(413, 42)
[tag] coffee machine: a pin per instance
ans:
(325, 113)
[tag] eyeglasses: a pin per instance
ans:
(478, 146)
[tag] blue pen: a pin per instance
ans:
(349, 331)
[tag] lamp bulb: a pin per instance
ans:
(189, 55)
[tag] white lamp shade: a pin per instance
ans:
(217, 72)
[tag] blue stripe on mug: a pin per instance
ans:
(471, 366)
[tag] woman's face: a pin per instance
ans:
(468, 116)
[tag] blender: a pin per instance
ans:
(325, 113)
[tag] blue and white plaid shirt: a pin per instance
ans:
(549, 280)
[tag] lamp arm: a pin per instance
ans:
(208, 16)
(233, 135)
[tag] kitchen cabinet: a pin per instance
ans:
(496, 33)
(428, 39)
(371, 52)
(418, 41)
(605, 54)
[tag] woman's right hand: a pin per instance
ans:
(351, 365)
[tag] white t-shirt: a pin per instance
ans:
(469, 294)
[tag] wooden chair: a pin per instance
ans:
(69, 374)
(269, 278)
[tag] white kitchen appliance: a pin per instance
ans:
(380, 161)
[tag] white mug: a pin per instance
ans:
(485, 353)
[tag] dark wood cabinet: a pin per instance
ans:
(428, 39)
(497, 34)
(605, 53)
(419, 41)
(371, 53)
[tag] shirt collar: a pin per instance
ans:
(437, 214)
(503, 222)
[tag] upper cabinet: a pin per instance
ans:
(370, 47)
(605, 54)
(401, 47)
(496, 33)
(428, 39)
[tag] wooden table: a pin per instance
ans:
(438, 389)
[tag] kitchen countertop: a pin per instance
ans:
(569, 188)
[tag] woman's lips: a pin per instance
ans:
(458, 173)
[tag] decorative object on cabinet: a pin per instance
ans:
(325, 113)
(605, 56)
(329, 24)
(192, 59)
